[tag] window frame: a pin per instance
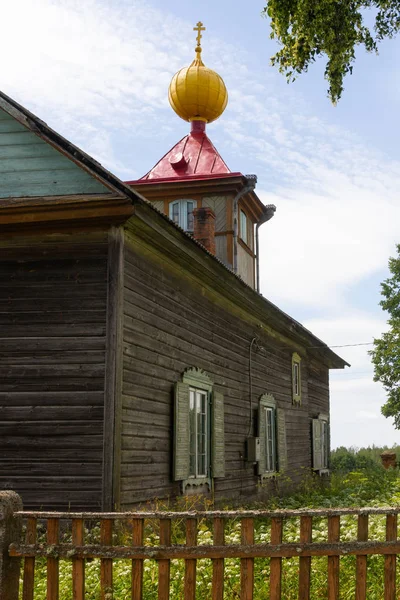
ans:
(271, 453)
(296, 378)
(205, 393)
(321, 443)
(197, 380)
(279, 459)
(244, 227)
(182, 205)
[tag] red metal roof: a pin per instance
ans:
(193, 156)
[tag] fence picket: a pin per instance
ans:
(247, 564)
(164, 566)
(275, 580)
(29, 564)
(333, 561)
(190, 564)
(390, 559)
(106, 565)
(305, 561)
(137, 564)
(218, 563)
(78, 564)
(52, 562)
(361, 561)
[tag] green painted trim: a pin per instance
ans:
(268, 400)
(197, 378)
(181, 431)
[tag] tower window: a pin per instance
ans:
(243, 227)
(181, 213)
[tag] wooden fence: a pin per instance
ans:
(69, 536)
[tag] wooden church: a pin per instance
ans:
(138, 358)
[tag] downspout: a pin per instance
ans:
(269, 211)
(252, 180)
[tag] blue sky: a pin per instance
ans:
(98, 72)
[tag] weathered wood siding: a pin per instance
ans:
(170, 323)
(245, 264)
(30, 167)
(318, 391)
(219, 205)
(52, 352)
(159, 204)
(221, 249)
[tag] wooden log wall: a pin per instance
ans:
(170, 324)
(53, 294)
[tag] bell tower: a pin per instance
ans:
(193, 185)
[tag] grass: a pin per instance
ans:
(358, 488)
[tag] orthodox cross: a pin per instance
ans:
(199, 28)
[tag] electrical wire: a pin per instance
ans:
(342, 345)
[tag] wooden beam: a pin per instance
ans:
(113, 371)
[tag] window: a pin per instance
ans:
(270, 438)
(198, 433)
(199, 449)
(181, 213)
(296, 379)
(272, 434)
(243, 227)
(320, 440)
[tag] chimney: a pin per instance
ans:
(204, 227)
(388, 459)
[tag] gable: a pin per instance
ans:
(31, 167)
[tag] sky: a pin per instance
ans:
(98, 71)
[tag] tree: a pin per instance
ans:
(308, 29)
(386, 352)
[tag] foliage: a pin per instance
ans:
(308, 29)
(357, 488)
(386, 352)
(345, 460)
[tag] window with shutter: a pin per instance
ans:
(272, 434)
(320, 442)
(199, 449)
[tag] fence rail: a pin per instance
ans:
(59, 536)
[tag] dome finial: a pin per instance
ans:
(197, 93)
(199, 28)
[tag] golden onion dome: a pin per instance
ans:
(197, 93)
